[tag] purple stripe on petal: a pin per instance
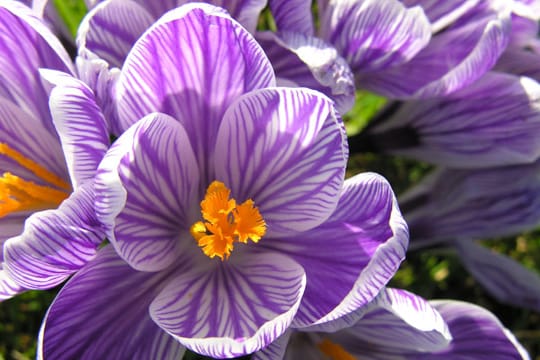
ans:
(111, 29)
(102, 313)
(8, 287)
(55, 243)
(233, 308)
(291, 150)
(191, 65)
(504, 278)
(147, 192)
(293, 15)
(80, 124)
(275, 350)
(349, 258)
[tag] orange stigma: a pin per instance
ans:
(334, 351)
(17, 194)
(226, 222)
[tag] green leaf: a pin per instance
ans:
(71, 12)
(365, 107)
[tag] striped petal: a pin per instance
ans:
(443, 14)
(477, 334)
(147, 189)
(80, 124)
(231, 309)
(102, 313)
(55, 243)
(26, 44)
(373, 35)
(349, 258)
(396, 314)
(309, 62)
(293, 15)
(192, 64)
(477, 39)
(494, 122)
(291, 150)
(8, 287)
(504, 278)
(110, 29)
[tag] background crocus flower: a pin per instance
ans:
(35, 176)
(400, 325)
(455, 207)
(225, 205)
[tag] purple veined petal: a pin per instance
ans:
(192, 64)
(147, 190)
(349, 258)
(442, 14)
(477, 334)
(8, 287)
(520, 62)
(275, 350)
(12, 225)
(494, 122)
(466, 204)
(55, 243)
(25, 134)
(233, 308)
(80, 125)
(102, 313)
(396, 314)
(375, 35)
(26, 44)
(310, 62)
(504, 278)
(99, 77)
(293, 16)
(291, 150)
(477, 40)
(111, 28)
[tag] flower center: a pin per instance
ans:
(226, 222)
(334, 351)
(17, 194)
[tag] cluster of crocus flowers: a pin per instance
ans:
(220, 219)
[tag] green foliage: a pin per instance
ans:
(71, 12)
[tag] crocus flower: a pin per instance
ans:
(225, 205)
(401, 325)
(493, 122)
(35, 176)
(454, 207)
(399, 49)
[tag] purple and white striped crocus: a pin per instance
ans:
(401, 325)
(34, 173)
(225, 204)
(398, 49)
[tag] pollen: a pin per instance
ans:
(226, 222)
(18, 194)
(334, 351)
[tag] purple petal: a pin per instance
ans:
(396, 314)
(26, 45)
(504, 278)
(443, 14)
(473, 204)
(291, 151)
(55, 243)
(477, 334)
(521, 62)
(375, 35)
(310, 62)
(80, 124)
(8, 287)
(350, 257)
(192, 64)
(494, 122)
(477, 40)
(110, 29)
(147, 190)
(102, 313)
(275, 350)
(293, 15)
(234, 308)
(26, 135)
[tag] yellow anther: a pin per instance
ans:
(17, 194)
(226, 222)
